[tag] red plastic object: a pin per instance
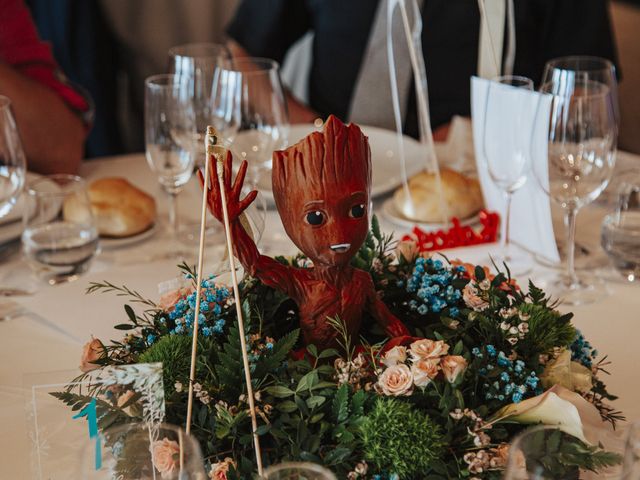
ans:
(457, 236)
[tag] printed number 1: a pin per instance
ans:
(89, 411)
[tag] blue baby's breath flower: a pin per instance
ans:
(151, 338)
(504, 376)
(516, 397)
(491, 350)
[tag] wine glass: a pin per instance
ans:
(251, 112)
(60, 237)
(12, 161)
(575, 164)
(507, 152)
(297, 471)
(138, 451)
(196, 64)
(169, 131)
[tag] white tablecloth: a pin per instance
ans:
(58, 320)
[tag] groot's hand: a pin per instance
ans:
(235, 206)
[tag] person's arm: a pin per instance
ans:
(298, 111)
(52, 134)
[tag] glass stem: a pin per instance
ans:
(173, 214)
(504, 234)
(570, 225)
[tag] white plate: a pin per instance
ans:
(385, 160)
(111, 242)
(391, 213)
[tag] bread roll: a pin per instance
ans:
(462, 196)
(119, 208)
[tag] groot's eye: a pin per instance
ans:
(357, 211)
(315, 218)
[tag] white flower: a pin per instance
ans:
(453, 366)
(396, 380)
(427, 348)
(508, 312)
(505, 326)
(472, 299)
(424, 371)
(572, 375)
(408, 249)
(178, 387)
(484, 284)
(512, 340)
(395, 355)
(523, 328)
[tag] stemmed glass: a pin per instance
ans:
(576, 163)
(169, 131)
(12, 161)
(507, 152)
(196, 65)
(251, 112)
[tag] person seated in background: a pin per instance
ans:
(348, 42)
(51, 116)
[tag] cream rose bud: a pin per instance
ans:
(407, 249)
(219, 470)
(166, 457)
(453, 366)
(472, 299)
(427, 348)
(396, 380)
(424, 371)
(395, 355)
(92, 352)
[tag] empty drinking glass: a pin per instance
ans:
(60, 237)
(251, 112)
(297, 471)
(621, 230)
(196, 64)
(12, 161)
(506, 148)
(169, 131)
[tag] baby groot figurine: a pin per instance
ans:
(322, 188)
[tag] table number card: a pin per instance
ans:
(65, 413)
(531, 223)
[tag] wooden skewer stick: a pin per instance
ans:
(211, 143)
(196, 315)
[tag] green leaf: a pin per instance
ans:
(479, 273)
(307, 381)
(311, 348)
(315, 401)
(287, 406)
(131, 314)
(279, 391)
(328, 353)
(340, 405)
(124, 326)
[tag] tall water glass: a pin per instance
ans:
(135, 452)
(575, 165)
(297, 471)
(12, 161)
(251, 112)
(60, 237)
(170, 126)
(506, 148)
(196, 64)
(621, 229)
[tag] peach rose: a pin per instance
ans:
(407, 249)
(453, 366)
(397, 354)
(424, 371)
(427, 348)
(472, 299)
(396, 380)
(166, 456)
(219, 470)
(92, 352)
(169, 299)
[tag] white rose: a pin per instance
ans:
(395, 356)
(396, 380)
(424, 371)
(472, 299)
(408, 249)
(426, 348)
(453, 366)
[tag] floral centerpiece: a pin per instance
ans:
(486, 360)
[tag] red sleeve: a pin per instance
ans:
(21, 48)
